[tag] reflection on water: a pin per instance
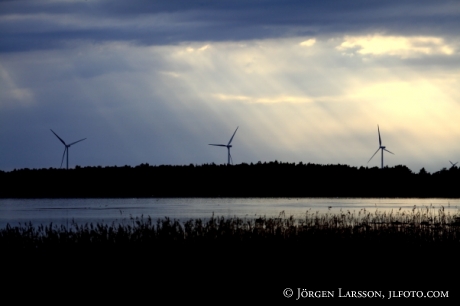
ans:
(63, 211)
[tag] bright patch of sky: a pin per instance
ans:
(400, 46)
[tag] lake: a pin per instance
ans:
(107, 210)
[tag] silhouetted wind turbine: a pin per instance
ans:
(380, 148)
(67, 146)
(228, 147)
(453, 165)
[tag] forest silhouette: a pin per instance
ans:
(268, 179)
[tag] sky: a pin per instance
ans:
(158, 81)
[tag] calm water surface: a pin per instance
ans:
(63, 211)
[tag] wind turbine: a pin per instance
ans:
(228, 146)
(380, 148)
(453, 165)
(67, 146)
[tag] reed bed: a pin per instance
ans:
(425, 227)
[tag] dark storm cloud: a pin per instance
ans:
(29, 25)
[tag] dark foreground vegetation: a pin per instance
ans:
(418, 229)
(242, 259)
(421, 228)
(272, 179)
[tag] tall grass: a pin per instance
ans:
(420, 227)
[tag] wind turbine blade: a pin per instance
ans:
(232, 136)
(380, 140)
(219, 145)
(62, 160)
(389, 151)
(58, 137)
(451, 163)
(76, 141)
(373, 155)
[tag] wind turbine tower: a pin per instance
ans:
(228, 146)
(66, 149)
(383, 148)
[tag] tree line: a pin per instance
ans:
(268, 179)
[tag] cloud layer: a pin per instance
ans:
(158, 81)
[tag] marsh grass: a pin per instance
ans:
(424, 227)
